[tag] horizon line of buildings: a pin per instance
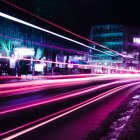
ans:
(124, 39)
(121, 38)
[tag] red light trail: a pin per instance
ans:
(53, 24)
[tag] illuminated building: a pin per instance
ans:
(32, 41)
(117, 37)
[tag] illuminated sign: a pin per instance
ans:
(24, 52)
(39, 67)
(136, 40)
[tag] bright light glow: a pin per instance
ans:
(12, 62)
(39, 67)
(136, 40)
(50, 32)
(85, 65)
(24, 52)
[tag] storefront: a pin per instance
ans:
(24, 60)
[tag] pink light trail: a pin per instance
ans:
(58, 97)
(84, 65)
(68, 111)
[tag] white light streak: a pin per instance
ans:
(50, 32)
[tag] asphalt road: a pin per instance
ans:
(60, 109)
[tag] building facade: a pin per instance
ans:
(21, 41)
(119, 38)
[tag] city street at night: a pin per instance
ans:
(69, 70)
(63, 108)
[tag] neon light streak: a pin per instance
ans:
(77, 35)
(62, 97)
(28, 124)
(67, 76)
(40, 82)
(87, 76)
(37, 85)
(73, 76)
(76, 79)
(91, 65)
(72, 109)
(54, 99)
(50, 32)
(51, 77)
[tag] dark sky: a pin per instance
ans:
(80, 15)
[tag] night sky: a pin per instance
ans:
(79, 15)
